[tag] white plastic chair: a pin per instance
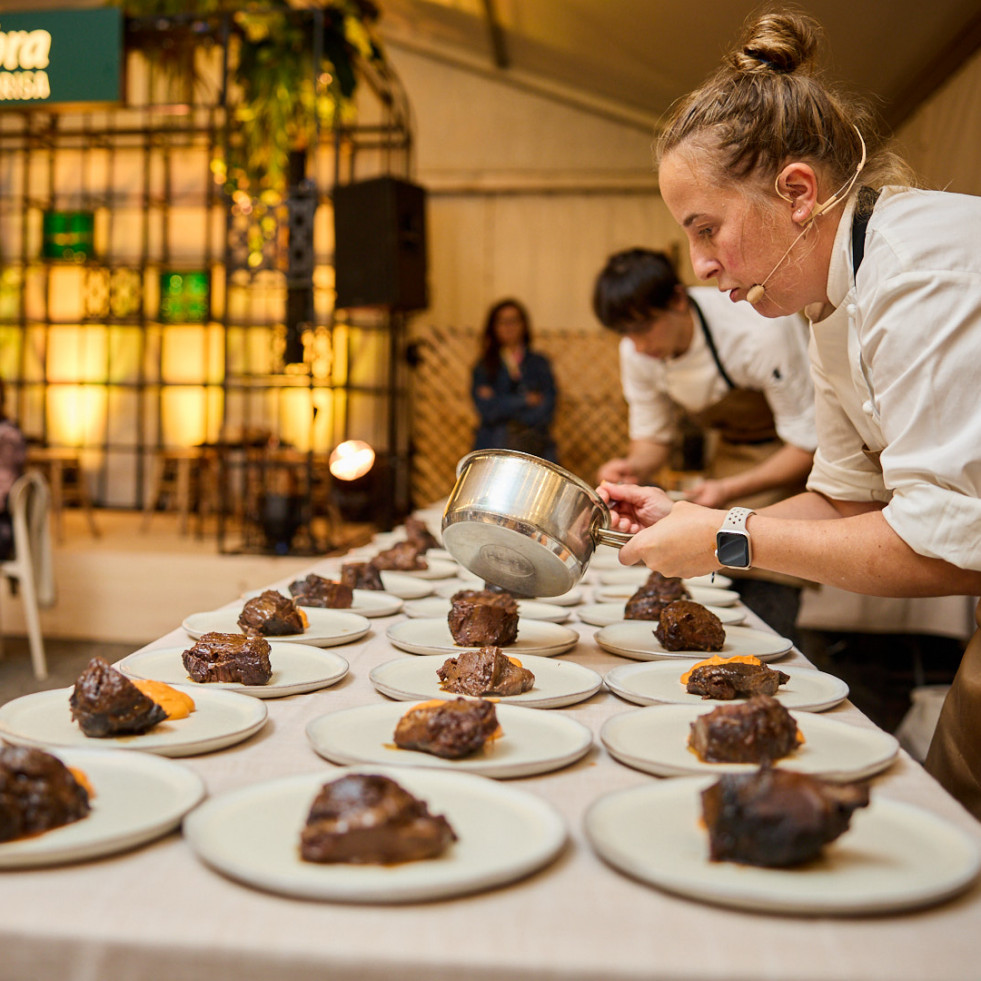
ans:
(31, 570)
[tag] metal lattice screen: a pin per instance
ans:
(590, 421)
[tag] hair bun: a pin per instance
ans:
(778, 42)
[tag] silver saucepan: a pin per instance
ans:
(523, 523)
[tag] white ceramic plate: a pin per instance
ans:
(296, 668)
(405, 587)
(327, 627)
(532, 742)
(635, 638)
(366, 602)
(503, 833)
(658, 682)
(464, 580)
(557, 682)
(603, 614)
(137, 798)
(396, 584)
(569, 598)
(893, 857)
(636, 575)
(700, 594)
(437, 569)
(432, 636)
(606, 559)
(716, 581)
(219, 719)
(438, 606)
(655, 740)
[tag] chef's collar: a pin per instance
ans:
(840, 278)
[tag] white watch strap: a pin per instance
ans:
(735, 520)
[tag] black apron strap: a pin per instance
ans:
(860, 220)
(711, 343)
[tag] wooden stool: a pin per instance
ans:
(63, 471)
(173, 483)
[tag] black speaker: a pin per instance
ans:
(380, 244)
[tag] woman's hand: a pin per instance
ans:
(634, 507)
(681, 543)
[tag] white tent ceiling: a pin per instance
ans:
(638, 56)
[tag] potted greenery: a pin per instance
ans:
(293, 73)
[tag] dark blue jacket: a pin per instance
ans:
(507, 404)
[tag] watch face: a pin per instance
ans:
(732, 549)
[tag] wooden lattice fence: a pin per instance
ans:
(590, 421)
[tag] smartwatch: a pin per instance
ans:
(732, 544)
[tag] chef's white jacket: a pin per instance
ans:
(768, 356)
(896, 371)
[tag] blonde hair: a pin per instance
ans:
(767, 104)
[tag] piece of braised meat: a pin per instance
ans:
(488, 671)
(326, 593)
(370, 819)
(402, 556)
(37, 792)
(230, 658)
(105, 702)
(754, 731)
(417, 533)
(687, 626)
(270, 614)
(775, 817)
(734, 680)
(482, 618)
(361, 575)
(654, 594)
(451, 730)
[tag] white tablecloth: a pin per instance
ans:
(157, 913)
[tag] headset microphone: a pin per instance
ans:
(756, 293)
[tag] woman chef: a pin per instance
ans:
(789, 203)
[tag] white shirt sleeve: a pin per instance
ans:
(651, 413)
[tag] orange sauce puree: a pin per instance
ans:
(177, 704)
(717, 659)
(82, 780)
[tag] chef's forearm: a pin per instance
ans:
(788, 467)
(860, 553)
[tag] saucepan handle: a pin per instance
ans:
(607, 536)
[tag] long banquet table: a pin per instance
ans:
(157, 912)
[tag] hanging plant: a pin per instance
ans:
(280, 99)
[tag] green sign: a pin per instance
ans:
(56, 56)
(68, 235)
(185, 297)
